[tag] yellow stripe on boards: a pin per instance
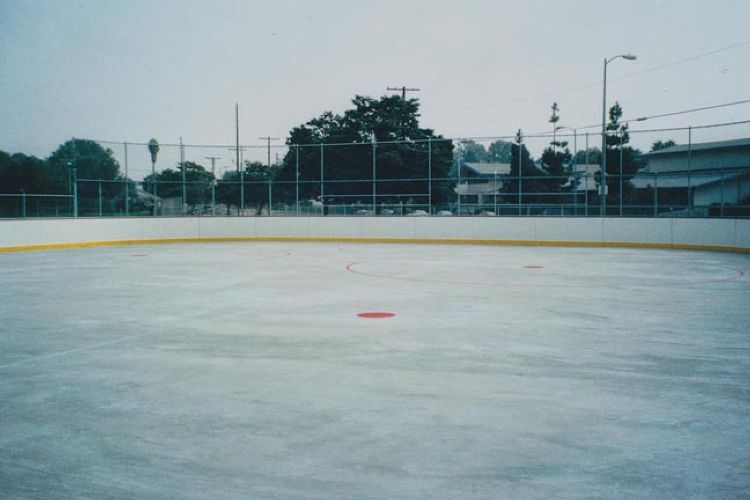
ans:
(430, 241)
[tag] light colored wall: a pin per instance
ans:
(735, 190)
(701, 232)
(700, 160)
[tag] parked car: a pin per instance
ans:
(417, 213)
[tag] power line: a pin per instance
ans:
(598, 84)
(681, 61)
(674, 113)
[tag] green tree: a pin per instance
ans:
(555, 163)
(256, 177)
(620, 158)
(19, 172)
(594, 156)
(401, 152)
(92, 163)
(169, 183)
(472, 152)
(531, 180)
(500, 152)
(659, 145)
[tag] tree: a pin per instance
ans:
(659, 145)
(472, 152)
(500, 152)
(593, 156)
(19, 172)
(168, 183)
(620, 158)
(92, 164)
(555, 160)
(257, 177)
(529, 182)
(400, 146)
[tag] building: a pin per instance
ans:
(481, 183)
(585, 178)
(695, 176)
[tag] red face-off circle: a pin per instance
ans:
(376, 314)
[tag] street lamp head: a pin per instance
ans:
(630, 57)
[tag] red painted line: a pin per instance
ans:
(376, 314)
(533, 266)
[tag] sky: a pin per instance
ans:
(128, 70)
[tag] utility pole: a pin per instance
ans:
(213, 181)
(268, 141)
(270, 189)
(403, 89)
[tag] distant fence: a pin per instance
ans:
(402, 178)
(655, 196)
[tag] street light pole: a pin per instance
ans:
(603, 173)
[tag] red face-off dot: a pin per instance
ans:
(376, 314)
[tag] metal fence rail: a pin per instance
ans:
(655, 195)
(433, 176)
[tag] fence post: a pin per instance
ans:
(586, 178)
(270, 194)
(75, 192)
(721, 208)
(241, 209)
(656, 194)
(622, 135)
(23, 204)
(296, 176)
(575, 172)
(100, 197)
(127, 183)
(429, 173)
(184, 185)
(690, 163)
(520, 178)
(458, 188)
(374, 174)
(322, 182)
(213, 196)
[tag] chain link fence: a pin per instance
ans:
(681, 173)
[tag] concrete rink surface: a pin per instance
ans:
(242, 370)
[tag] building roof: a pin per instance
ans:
(489, 168)
(585, 175)
(643, 181)
(474, 188)
(684, 148)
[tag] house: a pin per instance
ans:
(481, 183)
(584, 177)
(697, 175)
